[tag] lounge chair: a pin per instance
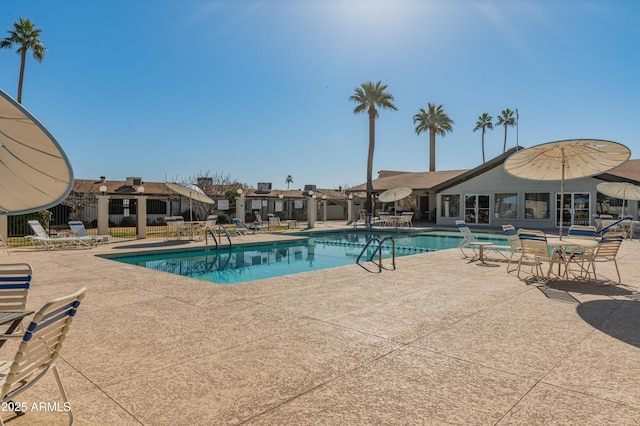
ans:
(41, 237)
(175, 226)
(3, 245)
(78, 229)
(15, 280)
(39, 350)
(469, 238)
(535, 247)
(582, 231)
(259, 221)
(242, 228)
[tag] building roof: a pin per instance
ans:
(441, 180)
(414, 180)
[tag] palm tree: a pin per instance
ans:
(288, 180)
(27, 37)
(436, 121)
(485, 121)
(506, 119)
(367, 97)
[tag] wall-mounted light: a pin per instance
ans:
(140, 190)
(281, 196)
(103, 189)
(324, 198)
(239, 191)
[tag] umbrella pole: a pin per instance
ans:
(562, 194)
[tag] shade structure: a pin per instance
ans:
(191, 191)
(395, 194)
(622, 190)
(567, 159)
(35, 173)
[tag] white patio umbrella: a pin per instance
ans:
(622, 190)
(35, 173)
(568, 159)
(191, 191)
(395, 194)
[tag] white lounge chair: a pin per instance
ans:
(175, 226)
(39, 350)
(41, 237)
(242, 228)
(78, 229)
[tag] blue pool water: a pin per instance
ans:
(319, 251)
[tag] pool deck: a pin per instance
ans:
(440, 340)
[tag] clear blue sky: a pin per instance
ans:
(167, 90)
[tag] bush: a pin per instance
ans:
(128, 221)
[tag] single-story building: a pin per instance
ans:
(488, 195)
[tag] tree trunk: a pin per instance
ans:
(432, 150)
(23, 59)
(504, 147)
(372, 143)
(482, 144)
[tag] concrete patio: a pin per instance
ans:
(437, 341)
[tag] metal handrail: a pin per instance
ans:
(213, 235)
(378, 250)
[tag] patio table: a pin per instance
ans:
(567, 243)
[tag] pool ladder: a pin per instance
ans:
(378, 250)
(211, 231)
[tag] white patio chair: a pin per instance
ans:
(39, 350)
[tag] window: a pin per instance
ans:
(609, 205)
(537, 205)
(506, 206)
(122, 206)
(156, 206)
(450, 205)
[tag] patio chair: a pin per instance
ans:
(582, 231)
(383, 219)
(405, 219)
(78, 229)
(534, 246)
(242, 228)
(15, 280)
(39, 349)
(607, 251)
(515, 247)
(41, 237)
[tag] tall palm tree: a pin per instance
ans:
(436, 121)
(506, 119)
(288, 180)
(27, 37)
(367, 97)
(485, 121)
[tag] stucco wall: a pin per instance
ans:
(497, 180)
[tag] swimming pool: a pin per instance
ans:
(318, 251)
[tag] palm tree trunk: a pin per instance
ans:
(372, 143)
(504, 147)
(482, 144)
(23, 59)
(432, 150)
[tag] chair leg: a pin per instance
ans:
(67, 404)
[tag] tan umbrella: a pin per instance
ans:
(35, 173)
(568, 159)
(395, 194)
(192, 192)
(621, 190)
